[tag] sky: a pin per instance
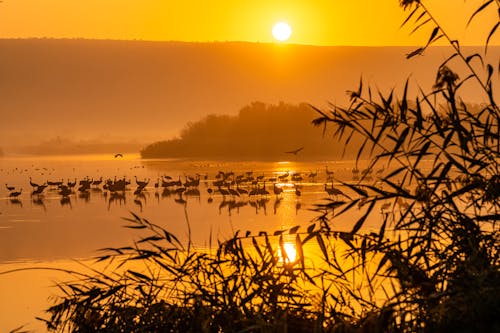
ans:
(318, 22)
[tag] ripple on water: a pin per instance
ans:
(24, 220)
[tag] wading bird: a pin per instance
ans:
(15, 194)
(34, 185)
(332, 190)
(277, 190)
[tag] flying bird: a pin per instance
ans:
(294, 152)
(118, 155)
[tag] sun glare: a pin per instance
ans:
(290, 253)
(282, 31)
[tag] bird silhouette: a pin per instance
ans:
(33, 184)
(118, 155)
(294, 152)
(15, 194)
(332, 190)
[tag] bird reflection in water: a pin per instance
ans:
(259, 204)
(85, 196)
(180, 199)
(298, 205)
(141, 196)
(17, 202)
(38, 201)
(138, 202)
(166, 193)
(116, 198)
(140, 199)
(66, 201)
(192, 192)
(277, 203)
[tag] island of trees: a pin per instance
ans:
(259, 131)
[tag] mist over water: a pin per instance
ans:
(84, 96)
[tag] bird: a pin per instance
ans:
(277, 190)
(118, 155)
(297, 191)
(71, 184)
(294, 152)
(232, 191)
(15, 194)
(241, 190)
(65, 191)
(97, 182)
(34, 185)
(141, 183)
(332, 190)
(10, 188)
(312, 175)
(329, 173)
(39, 189)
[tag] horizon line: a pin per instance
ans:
(222, 42)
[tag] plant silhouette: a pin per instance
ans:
(431, 266)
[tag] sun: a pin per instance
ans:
(282, 31)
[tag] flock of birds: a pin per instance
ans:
(235, 190)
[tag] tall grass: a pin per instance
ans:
(443, 251)
(432, 266)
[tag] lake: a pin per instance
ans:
(53, 228)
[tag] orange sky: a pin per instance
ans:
(317, 22)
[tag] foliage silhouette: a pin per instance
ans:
(432, 266)
(442, 162)
(260, 131)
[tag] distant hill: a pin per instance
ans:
(258, 132)
(64, 146)
(137, 91)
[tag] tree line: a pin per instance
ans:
(259, 131)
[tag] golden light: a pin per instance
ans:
(290, 252)
(282, 31)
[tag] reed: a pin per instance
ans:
(442, 251)
(431, 266)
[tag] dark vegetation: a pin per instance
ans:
(259, 132)
(433, 266)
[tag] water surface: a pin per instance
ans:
(51, 229)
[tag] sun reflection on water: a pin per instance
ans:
(287, 252)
